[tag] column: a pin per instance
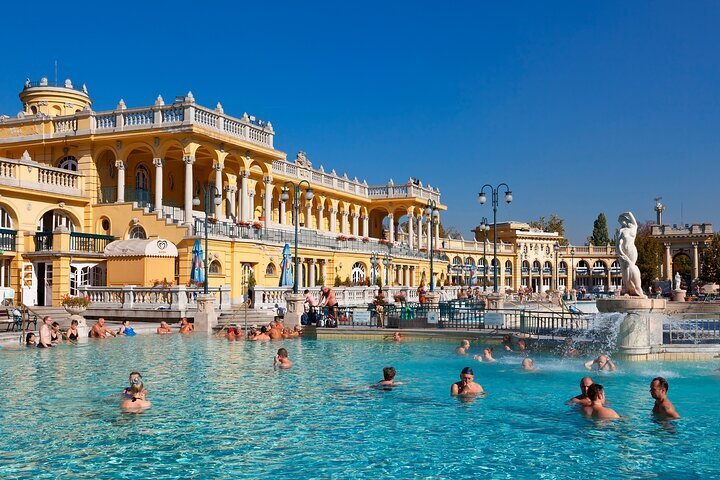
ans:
(231, 189)
(218, 167)
(311, 270)
(344, 222)
(406, 276)
(121, 181)
(333, 220)
(251, 206)
(366, 226)
(419, 232)
(411, 240)
(158, 162)
(267, 209)
(308, 214)
(189, 160)
(283, 214)
(695, 261)
(668, 263)
(320, 217)
(411, 283)
(355, 227)
(609, 279)
(244, 195)
(391, 226)
(323, 270)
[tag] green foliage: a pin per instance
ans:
(650, 254)
(251, 280)
(338, 281)
(347, 282)
(600, 235)
(320, 280)
(710, 268)
(554, 224)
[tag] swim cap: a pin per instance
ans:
(467, 371)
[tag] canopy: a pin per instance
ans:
(137, 247)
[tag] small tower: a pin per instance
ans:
(41, 97)
(659, 207)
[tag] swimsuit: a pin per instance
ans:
(129, 332)
(72, 336)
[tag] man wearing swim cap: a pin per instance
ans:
(466, 385)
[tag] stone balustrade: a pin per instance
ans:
(37, 176)
(179, 298)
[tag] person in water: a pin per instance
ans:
(262, 336)
(663, 407)
(238, 333)
(597, 408)
(126, 329)
(45, 333)
(582, 399)
(463, 348)
(72, 333)
(388, 381)
(55, 333)
(397, 337)
(281, 359)
(136, 394)
(163, 329)
(185, 326)
(30, 339)
(602, 362)
(487, 355)
(466, 385)
(99, 330)
(528, 364)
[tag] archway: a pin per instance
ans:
(682, 264)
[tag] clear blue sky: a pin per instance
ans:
(581, 107)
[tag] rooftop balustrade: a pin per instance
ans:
(39, 177)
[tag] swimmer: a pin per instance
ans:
(388, 380)
(136, 394)
(163, 329)
(275, 332)
(282, 360)
(596, 409)
(397, 337)
(72, 333)
(603, 362)
(262, 336)
(238, 333)
(230, 335)
(663, 408)
(528, 364)
(466, 385)
(463, 348)
(126, 329)
(55, 333)
(582, 399)
(185, 326)
(30, 339)
(487, 356)
(99, 330)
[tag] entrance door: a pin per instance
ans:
(43, 273)
(245, 273)
(29, 282)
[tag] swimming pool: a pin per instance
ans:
(220, 410)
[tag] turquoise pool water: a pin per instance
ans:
(220, 410)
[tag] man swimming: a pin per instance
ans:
(663, 407)
(163, 329)
(136, 394)
(602, 362)
(463, 348)
(596, 409)
(99, 330)
(466, 385)
(487, 355)
(281, 359)
(388, 381)
(185, 326)
(582, 399)
(528, 364)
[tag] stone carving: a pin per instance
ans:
(628, 255)
(301, 159)
(678, 281)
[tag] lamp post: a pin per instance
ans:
(556, 247)
(484, 227)
(432, 212)
(217, 200)
(482, 198)
(387, 261)
(572, 268)
(285, 196)
(374, 262)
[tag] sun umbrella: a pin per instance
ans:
(197, 272)
(286, 278)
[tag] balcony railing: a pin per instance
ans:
(43, 241)
(7, 239)
(38, 176)
(89, 242)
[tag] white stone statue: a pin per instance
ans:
(678, 281)
(628, 254)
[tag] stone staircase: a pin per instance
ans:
(237, 317)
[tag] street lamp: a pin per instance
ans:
(484, 227)
(482, 199)
(387, 261)
(374, 261)
(556, 247)
(572, 267)
(432, 212)
(217, 200)
(285, 196)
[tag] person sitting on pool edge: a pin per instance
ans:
(603, 362)
(136, 394)
(163, 329)
(185, 326)
(466, 385)
(388, 381)
(596, 409)
(663, 407)
(281, 359)
(463, 348)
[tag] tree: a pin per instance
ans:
(450, 232)
(650, 254)
(600, 235)
(710, 267)
(554, 224)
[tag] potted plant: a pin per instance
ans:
(399, 297)
(365, 239)
(75, 305)
(258, 225)
(341, 238)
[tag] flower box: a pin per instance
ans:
(75, 302)
(258, 225)
(365, 240)
(244, 223)
(341, 238)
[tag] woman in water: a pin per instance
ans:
(55, 333)
(72, 333)
(487, 355)
(136, 395)
(126, 329)
(30, 339)
(135, 379)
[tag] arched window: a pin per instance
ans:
(68, 163)
(5, 220)
(137, 232)
(358, 273)
(508, 267)
(54, 219)
(142, 178)
(215, 268)
(270, 270)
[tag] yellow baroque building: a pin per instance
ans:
(72, 181)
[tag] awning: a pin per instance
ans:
(136, 247)
(81, 265)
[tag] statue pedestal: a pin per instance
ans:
(495, 301)
(642, 327)
(432, 298)
(678, 295)
(206, 317)
(295, 308)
